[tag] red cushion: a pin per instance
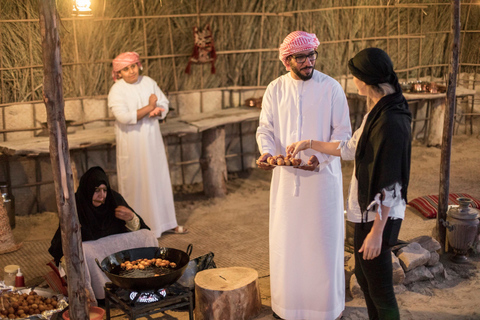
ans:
(428, 205)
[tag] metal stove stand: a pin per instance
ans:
(177, 297)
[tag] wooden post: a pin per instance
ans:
(145, 46)
(60, 159)
(262, 24)
(212, 162)
(448, 129)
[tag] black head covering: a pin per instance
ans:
(382, 157)
(95, 222)
(373, 66)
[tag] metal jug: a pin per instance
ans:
(9, 202)
(462, 221)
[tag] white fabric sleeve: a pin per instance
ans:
(265, 131)
(340, 123)
(117, 103)
(134, 224)
(348, 148)
(393, 196)
(162, 101)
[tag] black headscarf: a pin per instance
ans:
(96, 222)
(373, 66)
(382, 157)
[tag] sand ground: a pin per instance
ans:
(455, 297)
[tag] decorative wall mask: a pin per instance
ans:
(203, 50)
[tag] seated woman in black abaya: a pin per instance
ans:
(101, 211)
(108, 225)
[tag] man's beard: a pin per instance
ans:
(300, 75)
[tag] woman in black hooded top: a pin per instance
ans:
(377, 197)
(101, 211)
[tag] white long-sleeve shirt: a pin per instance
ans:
(393, 195)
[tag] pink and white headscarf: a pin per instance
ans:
(124, 60)
(295, 42)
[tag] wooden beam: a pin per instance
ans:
(448, 128)
(59, 156)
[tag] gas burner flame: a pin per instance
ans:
(148, 297)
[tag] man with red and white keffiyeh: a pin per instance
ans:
(143, 177)
(306, 206)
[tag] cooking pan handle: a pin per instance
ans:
(189, 249)
(98, 264)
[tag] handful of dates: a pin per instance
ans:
(281, 160)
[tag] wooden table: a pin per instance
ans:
(435, 109)
(436, 104)
(195, 123)
(210, 124)
(212, 162)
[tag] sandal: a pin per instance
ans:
(178, 230)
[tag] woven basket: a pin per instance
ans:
(7, 243)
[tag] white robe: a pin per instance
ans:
(306, 208)
(142, 167)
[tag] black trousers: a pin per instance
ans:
(375, 276)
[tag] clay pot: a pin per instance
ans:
(95, 313)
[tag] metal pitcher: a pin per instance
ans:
(462, 228)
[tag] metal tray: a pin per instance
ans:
(62, 302)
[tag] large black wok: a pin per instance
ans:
(142, 280)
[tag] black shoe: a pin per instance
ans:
(101, 303)
(276, 316)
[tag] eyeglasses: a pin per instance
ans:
(301, 59)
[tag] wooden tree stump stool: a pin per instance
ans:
(227, 294)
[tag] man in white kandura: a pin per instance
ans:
(306, 207)
(142, 169)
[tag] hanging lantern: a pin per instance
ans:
(82, 8)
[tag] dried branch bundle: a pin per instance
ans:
(415, 33)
